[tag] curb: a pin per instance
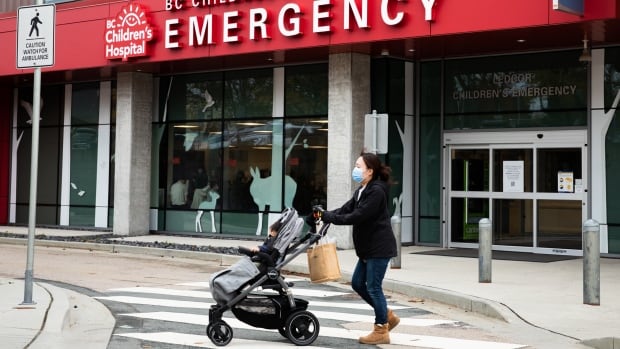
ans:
(473, 304)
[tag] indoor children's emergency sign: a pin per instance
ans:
(35, 36)
(128, 33)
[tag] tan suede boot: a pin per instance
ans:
(380, 335)
(393, 320)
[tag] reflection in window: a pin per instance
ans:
(559, 224)
(470, 170)
(512, 222)
(538, 90)
(306, 162)
(84, 143)
(305, 92)
(466, 214)
(553, 161)
(218, 128)
(499, 158)
(203, 99)
(248, 94)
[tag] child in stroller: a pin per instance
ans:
(265, 253)
(232, 288)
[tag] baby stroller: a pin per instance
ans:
(232, 289)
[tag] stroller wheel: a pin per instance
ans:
(220, 333)
(302, 328)
(282, 331)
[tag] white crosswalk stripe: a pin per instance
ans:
(395, 338)
(204, 342)
(331, 312)
(204, 319)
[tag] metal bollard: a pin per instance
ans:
(591, 263)
(396, 227)
(485, 252)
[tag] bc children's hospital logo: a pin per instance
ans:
(127, 34)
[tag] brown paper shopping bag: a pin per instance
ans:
(323, 263)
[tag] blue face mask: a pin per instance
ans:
(357, 174)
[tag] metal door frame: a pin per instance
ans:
(513, 140)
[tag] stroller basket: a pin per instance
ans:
(268, 312)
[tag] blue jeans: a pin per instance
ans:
(367, 281)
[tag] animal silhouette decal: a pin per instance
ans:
(265, 191)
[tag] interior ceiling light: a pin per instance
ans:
(185, 126)
(248, 123)
(319, 121)
(520, 41)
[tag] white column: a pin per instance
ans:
(408, 148)
(65, 171)
(348, 102)
(600, 124)
(103, 156)
(15, 147)
(279, 135)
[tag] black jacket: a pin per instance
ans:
(372, 230)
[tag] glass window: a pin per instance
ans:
(306, 90)
(248, 94)
(612, 147)
(247, 161)
(558, 169)
(430, 179)
(306, 164)
(559, 224)
(513, 222)
(388, 84)
(430, 88)
(50, 139)
(466, 214)
(470, 170)
(83, 185)
(85, 104)
(430, 152)
(612, 75)
(191, 97)
(84, 144)
(253, 164)
(512, 170)
(537, 90)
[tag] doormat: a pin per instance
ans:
(499, 255)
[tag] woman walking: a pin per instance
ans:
(373, 240)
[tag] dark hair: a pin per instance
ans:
(379, 169)
(276, 226)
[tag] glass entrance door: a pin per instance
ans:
(531, 186)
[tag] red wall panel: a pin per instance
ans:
(80, 31)
(480, 15)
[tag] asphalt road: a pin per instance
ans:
(162, 302)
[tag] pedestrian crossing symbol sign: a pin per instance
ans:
(36, 26)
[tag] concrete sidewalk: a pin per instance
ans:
(539, 299)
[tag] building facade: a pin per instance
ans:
(209, 117)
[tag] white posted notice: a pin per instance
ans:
(513, 176)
